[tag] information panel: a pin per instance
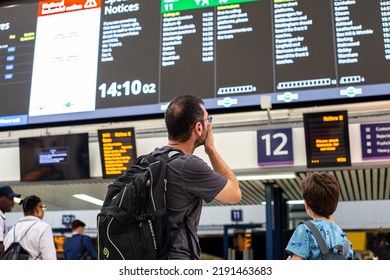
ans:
(327, 139)
(117, 150)
(64, 74)
(17, 39)
(375, 140)
(54, 157)
(80, 60)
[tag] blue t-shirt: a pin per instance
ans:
(302, 242)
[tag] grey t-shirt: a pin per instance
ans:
(189, 181)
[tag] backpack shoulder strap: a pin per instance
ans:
(317, 235)
(346, 247)
(148, 157)
(169, 155)
(25, 231)
(25, 234)
(172, 154)
(155, 156)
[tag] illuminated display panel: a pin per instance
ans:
(117, 150)
(67, 61)
(327, 139)
(55, 157)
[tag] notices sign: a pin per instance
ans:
(66, 48)
(117, 151)
(375, 140)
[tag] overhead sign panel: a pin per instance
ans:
(327, 139)
(117, 150)
(275, 147)
(375, 140)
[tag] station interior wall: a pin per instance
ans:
(238, 148)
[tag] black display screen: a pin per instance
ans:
(327, 139)
(57, 157)
(79, 60)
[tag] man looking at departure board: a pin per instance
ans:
(189, 179)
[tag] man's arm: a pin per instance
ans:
(89, 247)
(46, 244)
(231, 193)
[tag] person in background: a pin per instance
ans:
(379, 244)
(79, 246)
(320, 192)
(35, 235)
(7, 202)
(190, 180)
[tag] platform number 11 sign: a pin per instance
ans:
(275, 147)
(236, 215)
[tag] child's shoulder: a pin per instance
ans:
(327, 226)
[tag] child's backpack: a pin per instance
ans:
(133, 222)
(338, 252)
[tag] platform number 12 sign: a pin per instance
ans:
(275, 147)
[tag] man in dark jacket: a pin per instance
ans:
(79, 246)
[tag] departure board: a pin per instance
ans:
(117, 150)
(90, 60)
(327, 139)
(17, 38)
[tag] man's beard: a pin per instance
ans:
(202, 139)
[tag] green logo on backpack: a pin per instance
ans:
(106, 253)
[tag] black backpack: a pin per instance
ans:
(133, 222)
(338, 252)
(15, 251)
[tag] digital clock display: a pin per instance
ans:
(134, 88)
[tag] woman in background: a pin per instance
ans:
(35, 235)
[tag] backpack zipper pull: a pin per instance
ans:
(165, 184)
